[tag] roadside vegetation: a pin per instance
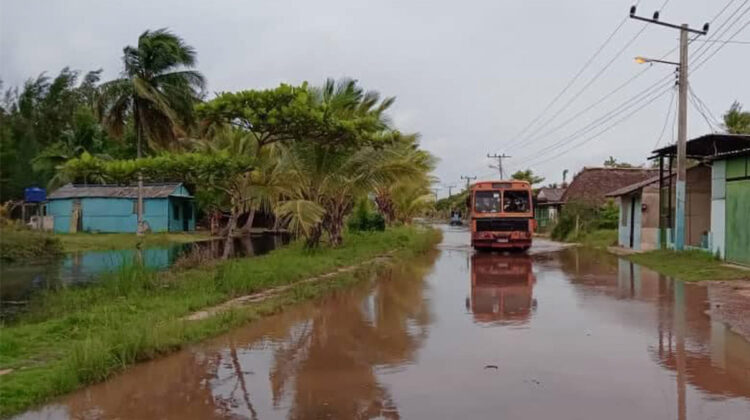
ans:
(76, 242)
(80, 335)
(18, 243)
(587, 224)
(691, 265)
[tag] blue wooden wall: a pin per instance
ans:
(118, 215)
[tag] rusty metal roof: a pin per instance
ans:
(113, 191)
(709, 145)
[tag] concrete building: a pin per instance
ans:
(717, 208)
(113, 208)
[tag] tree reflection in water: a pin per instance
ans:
(325, 357)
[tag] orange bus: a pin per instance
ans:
(501, 215)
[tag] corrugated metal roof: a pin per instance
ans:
(709, 145)
(550, 195)
(113, 191)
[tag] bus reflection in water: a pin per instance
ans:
(501, 288)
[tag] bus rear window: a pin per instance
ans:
(487, 202)
(516, 201)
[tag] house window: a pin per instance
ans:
(624, 211)
(175, 211)
(135, 206)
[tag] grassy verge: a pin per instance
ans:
(78, 336)
(73, 242)
(17, 243)
(598, 238)
(688, 265)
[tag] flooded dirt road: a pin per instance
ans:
(558, 334)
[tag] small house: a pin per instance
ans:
(591, 185)
(548, 204)
(167, 207)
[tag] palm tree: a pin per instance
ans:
(158, 90)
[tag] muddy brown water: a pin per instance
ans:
(566, 334)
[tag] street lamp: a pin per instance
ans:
(641, 60)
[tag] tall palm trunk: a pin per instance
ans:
(139, 230)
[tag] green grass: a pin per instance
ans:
(690, 265)
(599, 238)
(77, 336)
(18, 243)
(73, 242)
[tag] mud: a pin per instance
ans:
(562, 334)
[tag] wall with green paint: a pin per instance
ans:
(738, 210)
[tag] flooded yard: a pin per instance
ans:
(19, 280)
(558, 333)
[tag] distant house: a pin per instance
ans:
(548, 203)
(591, 185)
(717, 208)
(113, 208)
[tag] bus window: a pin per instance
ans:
(487, 202)
(515, 201)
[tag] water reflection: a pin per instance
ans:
(314, 361)
(502, 287)
(700, 352)
(19, 280)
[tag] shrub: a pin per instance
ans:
(586, 217)
(365, 219)
(17, 243)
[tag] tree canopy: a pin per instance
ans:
(737, 121)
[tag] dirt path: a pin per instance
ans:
(268, 293)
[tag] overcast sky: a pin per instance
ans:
(468, 75)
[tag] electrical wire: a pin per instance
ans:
(590, 82)
(726, 6)
(724, 44)
(593, 137)
(666, 120)
(574, 79)
(703, 114)
(704, 106)
(619, 109)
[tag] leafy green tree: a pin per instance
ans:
(528, 176)
(737, 121)
(47, 120)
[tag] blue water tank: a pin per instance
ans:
(34, 195)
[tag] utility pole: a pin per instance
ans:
(679, 220)
(499, 162)
(468, 180)
(435, 191)
(450, 190)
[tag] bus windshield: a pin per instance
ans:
(515, 201)
(487, 202)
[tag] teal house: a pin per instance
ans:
(113, 208)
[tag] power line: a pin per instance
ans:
(697, 66)
(574, 79)
(666, 120)
(726, 6)
(720, 32)
(588, 139)
(704, 106)
(587, 85)
(619, 109)
(700, 111)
